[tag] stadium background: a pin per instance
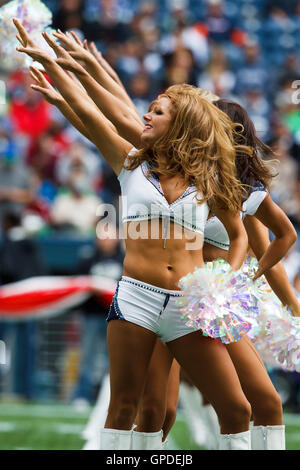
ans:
(247, 50)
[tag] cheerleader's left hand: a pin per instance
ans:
(258, 274)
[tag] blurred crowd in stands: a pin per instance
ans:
(245, 50)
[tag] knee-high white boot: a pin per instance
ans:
(212, 427)
(268, 437)
(146, 440)
(239, 441)
(115, 439)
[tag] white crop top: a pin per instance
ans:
(143, 199)
(215, 232)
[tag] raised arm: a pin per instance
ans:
(113, 108)
(96, 66)
(53, 97)
(258, 236)
(285, 235)
(113, 147)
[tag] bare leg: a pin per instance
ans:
(130, 349)
(153, 404)
(256, 383)
(209, 366)
(172, 398)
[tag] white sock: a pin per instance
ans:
(268, 437)
(146, 440)
(115, 439)
(238, 441)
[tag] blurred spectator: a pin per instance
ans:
(15, 190)
(70, 15)
(140, 92)
(278, 35)
(77, 155)
(218, 77)
(106, 261)
(191, 37)
(74, 208)
(283, 186)
(180, 67)
(252, 72)
(20, 259)
(259, 110)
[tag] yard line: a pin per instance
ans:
(41, 410)
(291, 419)
(63, 428)
(7, 426)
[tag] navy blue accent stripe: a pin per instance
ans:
(114, 311)
(226, 245)
(258, 186)
(165, 303)
(154, 179)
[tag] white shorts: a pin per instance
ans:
(149, 306)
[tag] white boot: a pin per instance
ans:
(268, 437)
(191, 402)
(146, 440)
(239, 441)
(115, 439)
(212, 427)
(97, 419)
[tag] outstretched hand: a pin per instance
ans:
(64, 59)
(75, 47)
(43, 86)
(28, 46)
(23, 37)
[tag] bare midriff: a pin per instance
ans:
(158, 261)
(211, 252)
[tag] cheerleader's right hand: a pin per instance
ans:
(43, 86)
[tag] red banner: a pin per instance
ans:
(40, 297)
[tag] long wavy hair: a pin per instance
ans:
(199, 145)
(257, 166)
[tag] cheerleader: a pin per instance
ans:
(181, 128)
(249, 169)
(177, 346)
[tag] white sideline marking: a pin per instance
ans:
(7, 426)
(63, 428)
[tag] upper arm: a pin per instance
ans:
(232, 223)
(273, 217)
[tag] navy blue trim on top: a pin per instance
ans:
(154, 179)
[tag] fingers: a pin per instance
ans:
(51, 43)
(76, 38)
(38, 75)
(20, 40)
(39, 88)
(22, 32)
(27, 50)
(95, 51)
(65, 39)
(34, 74)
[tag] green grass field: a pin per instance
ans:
(59, 427)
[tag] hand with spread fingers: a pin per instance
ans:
(64, 59)
(29, 47)
(76, 49)
(44, 87)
